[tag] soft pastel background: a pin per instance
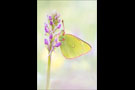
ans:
(80, 19)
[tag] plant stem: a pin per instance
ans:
(48, 72)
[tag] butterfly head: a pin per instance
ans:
(61, 37)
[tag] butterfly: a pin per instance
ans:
(72, 46)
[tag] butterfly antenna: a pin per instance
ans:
(63, 25)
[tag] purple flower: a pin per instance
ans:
(46, 25)
(56, 17)
(50, 28)
(46, 29)
(58, 44)
(49, 17)
(46, 41)
(51, 36)
(51, 23)
(59, 26)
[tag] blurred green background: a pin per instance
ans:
(80, 19)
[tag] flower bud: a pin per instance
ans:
(59, 26)
(58, 44)
(46, 29)
(46, 41)
(49, 17)
(51, 36)
(55, 17)
(46, 25)
(51, 23)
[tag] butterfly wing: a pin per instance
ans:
(73, 47)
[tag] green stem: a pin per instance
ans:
(48, 72)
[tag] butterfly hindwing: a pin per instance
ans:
(73, 47)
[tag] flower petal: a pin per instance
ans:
(46, 41)
(58, 44)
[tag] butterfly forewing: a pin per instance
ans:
(73, 47)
